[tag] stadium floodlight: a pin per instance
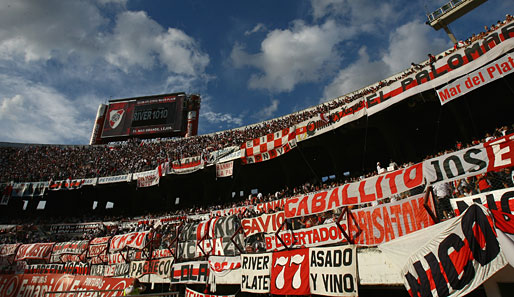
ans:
(449, 12)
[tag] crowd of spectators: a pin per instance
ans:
(50, 162)
(39, 229)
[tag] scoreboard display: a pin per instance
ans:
(160, 114)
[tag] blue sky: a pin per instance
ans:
(249, 60)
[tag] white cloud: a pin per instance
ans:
(138, 40)
(37, 114)
(41, 30)
(268, 111)
(289, 57)
(357, 75)
(258, 28)
(64, 56)
(411, 43)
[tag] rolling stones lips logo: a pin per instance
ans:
(115, 117)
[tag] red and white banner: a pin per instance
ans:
(459, 63)
(458, 259)
(98, 283)
(160, 267)
(364, 191)
(495, 200)
(266, 207)
(187, 165)
(485, 157)
(290, 273)
(225, 270)
(67, 184)
(97, 250)
(230, 211)
(148, 178)
(33, 285)
(265, 223)
(504, 224)
(271, 154)
(256, 272)
(136, 240)
(476, 79)
(9, 284)
(333, 271)
(308, 237)
(34, 251)
(388, 221)
(8, 252)
(323, 123)
(72, 251)
(224, 169)
(191, 293)
(268, 142)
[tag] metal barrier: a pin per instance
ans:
(102, 293)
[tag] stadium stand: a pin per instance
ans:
(326, 191)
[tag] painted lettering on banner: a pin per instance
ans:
(256, 272)
(500, 152)
(290, 272)
(333, 271)
(364, 191)
(307, 237)
(224, 169)
(266, 207)
(265, 223)
(458, 259)
(388, 221)
(97, 250)
(71, 251)
(459, 63)
(191, 293)
(476, 79)
(34, 251)
(136, 240)
(495, 200)
(190, 273)
(160, 267)
(230, 211)
(221, 265)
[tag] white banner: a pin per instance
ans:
(476, 79)
(114, 179)
(190, 273)
(224, 169)
(225, 270)
(255, 273)
(500, 199)
(333, 271)
(160, 267)
(148, 178)
(458, 259)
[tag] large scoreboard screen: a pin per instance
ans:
(161, 114)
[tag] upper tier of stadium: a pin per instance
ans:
(30, 162)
